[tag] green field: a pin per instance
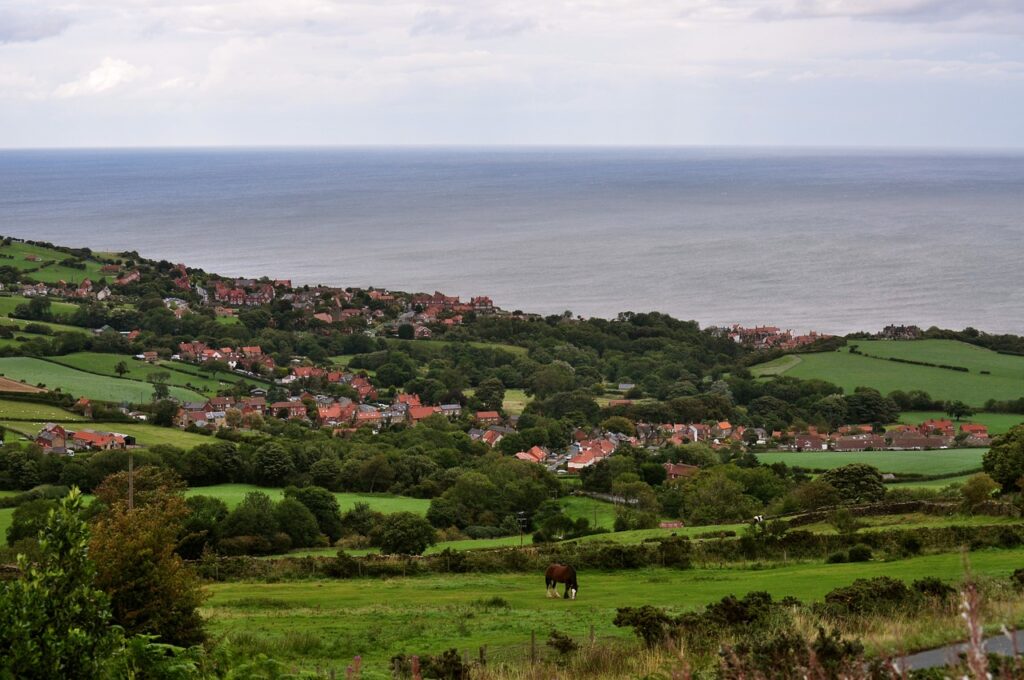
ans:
(9, 302)
(145, 435)
(181, 375)
(11, 409)
(851, 370)
(326, 623)
(232, 494)
(931, 483)
(899, 462)
(997, 423)
(15, 255)
(81, 384)
(441, 344)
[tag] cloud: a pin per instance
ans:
(110, 74)
(472, 24)
(917, 11)
(27, 24)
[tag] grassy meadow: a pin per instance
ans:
(232, 495)
(325, 623)
(182, 375)
(942, 462)
(49, 271)
(1004, 381)
(82, 384)
(11, 409)
(8, 303)
(145, 435)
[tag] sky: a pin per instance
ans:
(878, 73)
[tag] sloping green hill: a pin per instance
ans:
(81, 384)
(1003, 377)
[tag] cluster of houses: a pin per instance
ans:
(251, 359)
(86, 290)
(54, 438)
(772, 337)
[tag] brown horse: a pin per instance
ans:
(561, 573)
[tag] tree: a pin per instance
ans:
(272, 464)
(160, 389)
(201, 528)
(298, 522)
(326, 473)
(120, 368)
(1004, 461)
(406, 331)
(978, 489)
(152, 591)
(29, 519)
(856, 483)
(958, 409)
(53, 620)
(404, 533)
(619, 425)
(491, 393)
(324, 507)
(164, 412)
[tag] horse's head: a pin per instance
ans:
(571, 588)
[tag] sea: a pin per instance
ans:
(832, 240)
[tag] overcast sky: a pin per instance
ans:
(942, 73)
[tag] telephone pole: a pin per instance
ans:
(131, 480)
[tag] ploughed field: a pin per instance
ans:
(1002, 379)
(323, 624)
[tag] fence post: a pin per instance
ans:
(533, 648)
(483, 655)
(591, 635)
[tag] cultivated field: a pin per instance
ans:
(325, 623)
(1005, 381)
(81, 384)
(900, 462)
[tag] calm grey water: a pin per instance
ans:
(835, 241)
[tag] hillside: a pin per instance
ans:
(989, 375)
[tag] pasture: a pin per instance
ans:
(326, 623)
(232, 495)
(942, 462)
(849, 371)
(11, 409)
(49, 271)
(81, 384)
(997, 423)
(181, 375)
(441, 344)
(8, 303)
(145, 435)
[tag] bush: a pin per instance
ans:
(869, 596)
(930, 586)
(836, 558)
(860, 553)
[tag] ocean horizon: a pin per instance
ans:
(834, 240)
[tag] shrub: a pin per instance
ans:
(860, 553)
(868, 596)
(562, 643)
(930, 586)
(836, 558)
